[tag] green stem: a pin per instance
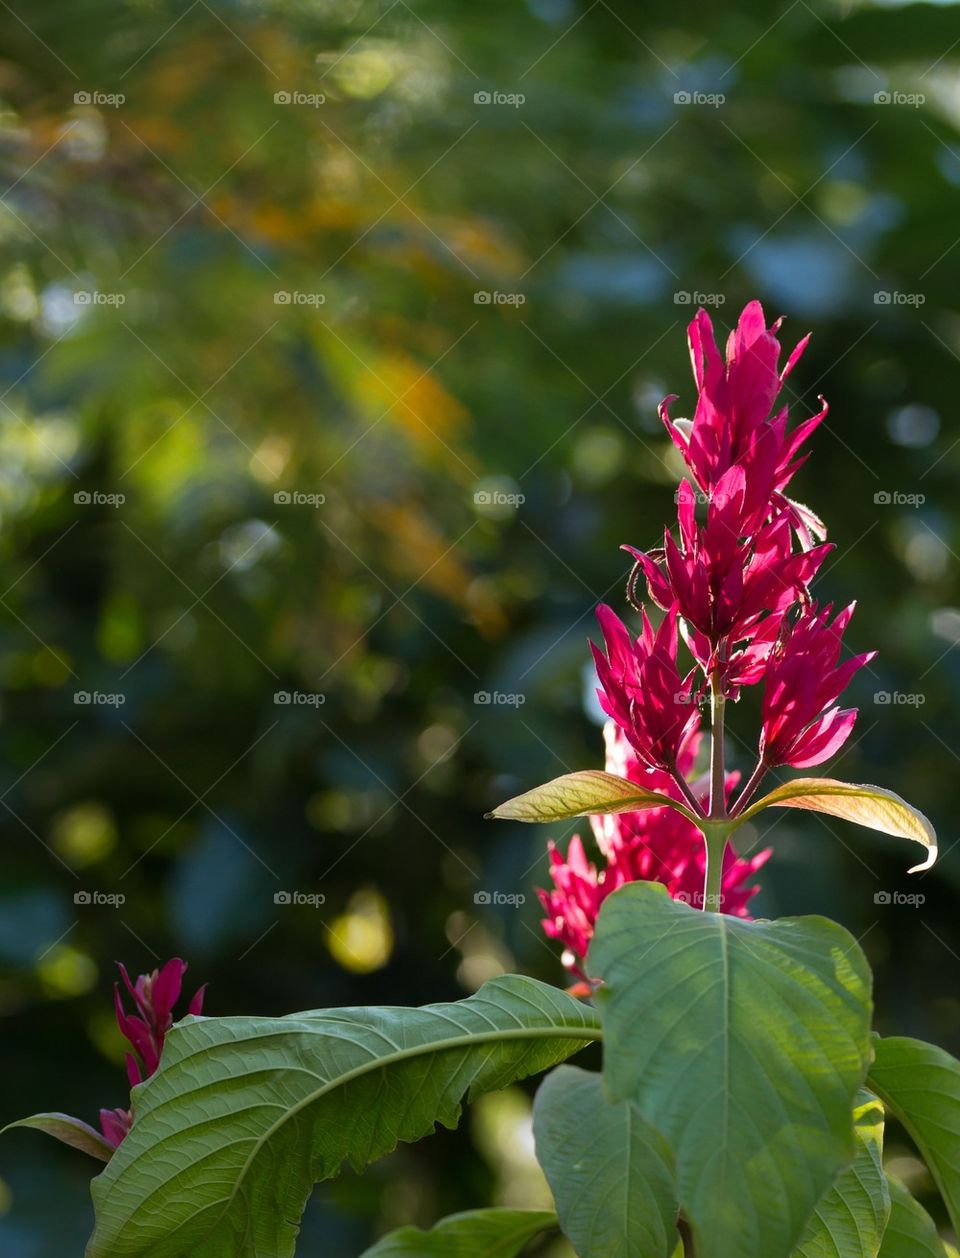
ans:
(715, 838)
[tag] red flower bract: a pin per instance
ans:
(154, 996)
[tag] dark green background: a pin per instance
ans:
(599, 199)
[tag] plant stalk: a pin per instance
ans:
(749, 789)
(718, 801)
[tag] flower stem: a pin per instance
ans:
(749, 790)
(718, 802)
(716, 841)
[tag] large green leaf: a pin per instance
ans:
(910, 1230)
(870, 806)
(611, 1173)
(245, 1115)
(850, 1218)
(920, 1083)
(590, 791)
(744, 1044)
(71, 1131)
(473, 1234)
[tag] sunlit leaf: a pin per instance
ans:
(581, 794)
(870, 806)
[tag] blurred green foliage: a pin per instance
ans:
(147, 350)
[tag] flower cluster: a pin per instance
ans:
(154, 997)
(733, 585)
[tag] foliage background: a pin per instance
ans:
(599, 199)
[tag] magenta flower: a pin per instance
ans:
(802, 724)
(728, 575)
(732, 425)
(642, 690)
(154, 996)
(656, 845)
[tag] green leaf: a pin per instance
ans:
(744, 1044)
(474, 1234)
(246, 1114)
(610, 1172)
(910, 1230)
(850, 1218)
(921, 1085)
(869, 806)
(583, 794)
(67, 1130)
